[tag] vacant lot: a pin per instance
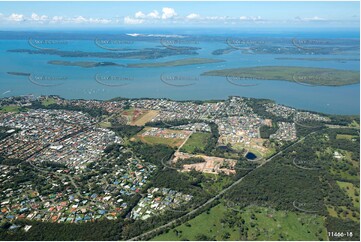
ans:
(139, 117)
(159, 138)
(145, 118)
(212, 164)
(196, 143)
(345, 136)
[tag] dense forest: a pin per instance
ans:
(124, 130)
(301, 180)
(266, 131)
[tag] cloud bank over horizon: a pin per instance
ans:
(171, 16)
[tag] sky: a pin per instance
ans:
(56, 15)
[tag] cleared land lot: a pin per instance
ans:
(160, 139)
(139, 117)
(212, 164)
(145, 118)
(196, 142)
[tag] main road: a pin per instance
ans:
(221, 193)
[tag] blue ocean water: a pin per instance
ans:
(77, 82)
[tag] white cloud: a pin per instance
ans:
(193, 16)
(79, 20)
(36, 17)
(216, 18)
(56, 19)
(168, 13)
(250, 18)
(315, 18)
(129, 20)
(42, 19)
(153, 14)
(16, 17)
(139, 14)
(99, 21)
(140, 17)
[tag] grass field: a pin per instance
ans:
(172, 142)
(7, 109)
(343, 174)
(268, 224)
(345, 161)
(48, 101)
(105, 124)
(345, 136)
(332, 212)
(352, 191)
(208, 224)
(262, 223)
(158, 140)
(196, 140)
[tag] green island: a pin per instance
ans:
(182, 62)
(147, 53)
(85, 64)
(223, 51)
(306, 75)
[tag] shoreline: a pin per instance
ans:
(197, 101)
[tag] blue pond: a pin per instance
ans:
(251, 156)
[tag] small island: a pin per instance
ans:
(305, 75)
(223, 51)
(15, 73)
